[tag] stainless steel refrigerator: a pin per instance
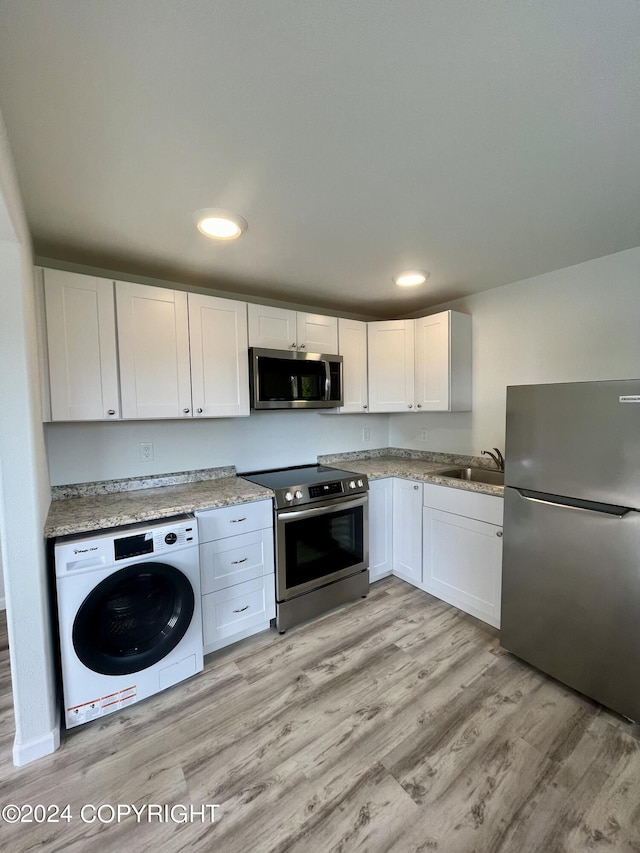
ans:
(571, 560)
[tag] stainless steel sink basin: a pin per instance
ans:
(474, 475)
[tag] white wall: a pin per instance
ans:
(2, 599)
(24, 486)
(576, 324)
(85, 452)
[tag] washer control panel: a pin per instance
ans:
(154, 541)
(105, 548)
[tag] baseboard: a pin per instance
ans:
(25, 753)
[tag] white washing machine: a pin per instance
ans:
(129, 612)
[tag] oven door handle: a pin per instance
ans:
(323, 508)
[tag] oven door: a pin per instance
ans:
(320, 544)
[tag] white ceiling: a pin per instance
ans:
(484, 140)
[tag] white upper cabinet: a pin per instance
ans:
(153, 344)
(443, 362)
(420, 365)
(391, 365)
(317, 333)
(273, 328)
(219, 362)
(352, 346)
(81, 334)
(278, 328)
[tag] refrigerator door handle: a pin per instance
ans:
(574, 503)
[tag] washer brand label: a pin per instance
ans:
(629, 398)
(84, 550)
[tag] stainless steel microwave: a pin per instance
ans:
(283, 379)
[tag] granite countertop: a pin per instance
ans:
(113, 509)
(413, 465)
(98, 506)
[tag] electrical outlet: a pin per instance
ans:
(366, 434)
(424, 435)
(146, 451)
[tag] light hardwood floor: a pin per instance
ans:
(396, 723)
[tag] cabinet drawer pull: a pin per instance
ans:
(241, 609)
(237, 562)
(236, 520)
(499, 534)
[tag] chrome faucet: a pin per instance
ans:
(497, 457)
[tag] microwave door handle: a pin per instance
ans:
(327, 380)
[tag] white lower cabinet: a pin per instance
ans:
(237, 572)
(237, 612)
(407, 530)
(380, 528)
(462, 550)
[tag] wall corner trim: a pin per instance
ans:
(24, 753)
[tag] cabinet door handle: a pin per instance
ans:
(237, 562)
(499, 534)
(242, 609)
(415, 488)
(111, 411)
(236, 520)
(301, 346)
(365, 406)
(186, 411)
(411, 405)
(419, 406)
(293, 345)
(199, 411)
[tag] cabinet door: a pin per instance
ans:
(380, 528)
(432, 362)
(443, 362)
(153, 344)
(81, 333)
(352, 345)
(317, 333)
(219, 362)
(274, 328)
(391, 366)
(463, 563)
(407, 530)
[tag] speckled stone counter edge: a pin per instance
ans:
(132, 484)
(404, 453)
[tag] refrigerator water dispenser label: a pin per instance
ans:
(629, 398)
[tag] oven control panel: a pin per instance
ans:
(326, 489)
(304, 494)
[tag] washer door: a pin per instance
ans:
(133, 618)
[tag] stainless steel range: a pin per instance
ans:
(322, 539)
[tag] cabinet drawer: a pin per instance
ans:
(487, 508)
(225, 562)
(233, 520)
(236, 610)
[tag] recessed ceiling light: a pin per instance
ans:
(220, 224)
(411, 278)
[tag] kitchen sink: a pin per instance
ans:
(474, 475)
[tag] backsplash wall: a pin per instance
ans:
(83, 452)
